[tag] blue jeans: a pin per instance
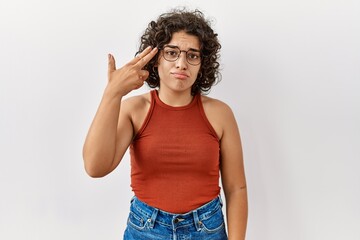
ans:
(146, 222)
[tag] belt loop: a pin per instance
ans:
(196, 220)
(151, 221)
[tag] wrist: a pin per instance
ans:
(110, 93)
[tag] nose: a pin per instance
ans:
(181, 62)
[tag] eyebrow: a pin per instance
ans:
(174, 46)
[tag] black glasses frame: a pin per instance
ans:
(180, 51)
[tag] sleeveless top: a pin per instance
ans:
(175, 157)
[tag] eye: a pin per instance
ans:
(171, 52)
(193, 55)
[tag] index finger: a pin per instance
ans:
(145, 57)
(139, 55)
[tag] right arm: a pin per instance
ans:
(111, 131)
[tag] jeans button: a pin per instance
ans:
(176, 220)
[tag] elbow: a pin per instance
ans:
(235, 190)
(93, 172)
(94, 167)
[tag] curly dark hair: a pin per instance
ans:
(159, 33)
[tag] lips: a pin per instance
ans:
(180, 75)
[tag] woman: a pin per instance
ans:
(180, 140)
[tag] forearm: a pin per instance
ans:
(237, 213)
(100, 144)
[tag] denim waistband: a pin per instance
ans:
(173, 220)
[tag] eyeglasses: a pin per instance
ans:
(172, 53)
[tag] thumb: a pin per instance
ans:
(111, 63)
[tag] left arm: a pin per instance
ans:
(233, 176)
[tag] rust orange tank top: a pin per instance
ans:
(175, 157)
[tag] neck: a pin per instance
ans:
(175, 99)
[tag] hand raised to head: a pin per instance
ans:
(131, 76)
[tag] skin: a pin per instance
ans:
(117, 121)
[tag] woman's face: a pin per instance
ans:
(179, 75)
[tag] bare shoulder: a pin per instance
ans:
(215, 106)
(136, 102)
(136, 109)
(219, 114)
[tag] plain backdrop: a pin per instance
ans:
(290, 72)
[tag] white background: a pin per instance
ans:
(290, 73)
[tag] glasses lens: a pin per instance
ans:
(193, 57)
(171, 54)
